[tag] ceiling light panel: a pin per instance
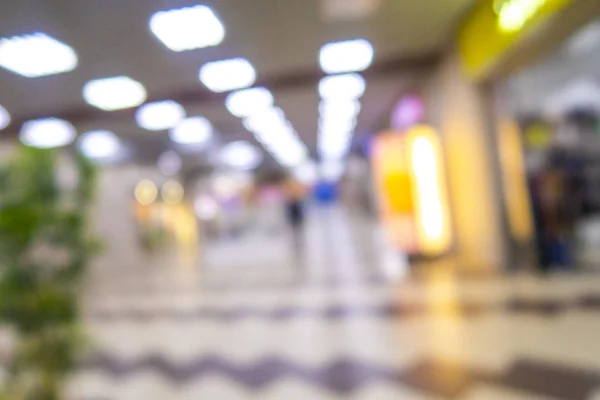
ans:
(339, 111)
(114, 93)
(99, 144)
(159, 115)
(342, 87)
(192, 131)
(35, 55)
(347, 56)
(227, 75)
(4, 118)
(241, 155)
(47, 133)
(244, 103)
(187, 28)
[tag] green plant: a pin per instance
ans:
(45, 246)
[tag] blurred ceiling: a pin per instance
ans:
(281, 38)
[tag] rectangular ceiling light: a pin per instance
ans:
(348, 56)
(192, 130)
(227, 75)
(342, 87)
(247, 102)
(159, 115)
(47, 133)
(187, 28)
(114, 93)
(35, 55)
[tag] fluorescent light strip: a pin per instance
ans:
(268, 124)
(339, 111)
(36, 54)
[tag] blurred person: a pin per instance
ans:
(556, 187)
(564, 204)
(294, 195)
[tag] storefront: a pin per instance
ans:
(535, 63)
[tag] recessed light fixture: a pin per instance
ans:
(4, 118)
(114, 93)
(342, 87)
(192, 130)
(244, 103)
(347, 56)
(47, 133)
(226, 75)
(99, 144)
(159, 115)
(241, 155)
(36, 54)
(187, 28)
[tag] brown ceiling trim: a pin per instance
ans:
(199, 94)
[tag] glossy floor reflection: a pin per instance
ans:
(335, 326)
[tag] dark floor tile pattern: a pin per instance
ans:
(346, 376)
(540, 307)
(551, 380)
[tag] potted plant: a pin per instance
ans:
(45, 245)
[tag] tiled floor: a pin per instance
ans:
(344, 324)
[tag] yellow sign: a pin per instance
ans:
(429, 193)
(409, 174)
(394, 192)
(495, 26)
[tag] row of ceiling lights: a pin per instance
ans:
(268, 124)
(186, 29)
(181, 29)
(340, 105)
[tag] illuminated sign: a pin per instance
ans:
(494, 27)
(514, 14)
(410, 186)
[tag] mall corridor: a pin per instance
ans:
(351, 327)
(300, 200)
